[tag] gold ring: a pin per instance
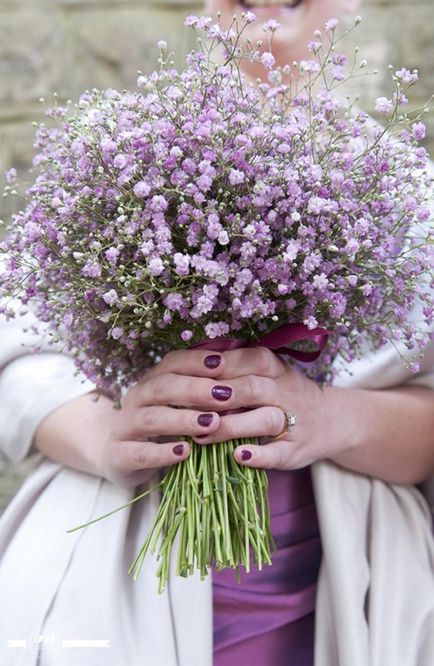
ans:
(290, 422)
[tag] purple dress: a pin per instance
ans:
(268, 618)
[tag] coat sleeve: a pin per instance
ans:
(32, 384)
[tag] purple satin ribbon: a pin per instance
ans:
(278, 341)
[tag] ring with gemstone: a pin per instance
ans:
(290, 422)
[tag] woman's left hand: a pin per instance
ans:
(258, 380)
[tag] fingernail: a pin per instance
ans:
(212, 361)
(178, 450)
(221, 392)
(205, 419)
(246, 455)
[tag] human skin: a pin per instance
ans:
(298, 25)
(365, 431)
(362, 430)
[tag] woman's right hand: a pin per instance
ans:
(127, 445)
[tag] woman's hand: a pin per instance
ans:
(255, 379)
(190, 393)
(124, 445)
(380, 433)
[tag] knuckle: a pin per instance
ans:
(254, 387)
(261, 390)
(140, 458)
(280, 458)
(272, 391)
(118, 458)
(169, 359)
(195, 390)
(159, 386)
(130, 397)
(264, 360)
(228, 428)
(274, 421)
(148, 421)
(182, 422)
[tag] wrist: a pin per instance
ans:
(343, 424)
(76, 433)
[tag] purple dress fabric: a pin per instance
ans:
(268, 618)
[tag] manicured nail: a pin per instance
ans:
(221, 392)
(178, 450)
(205, 419)
(212, 361)
(246, 455)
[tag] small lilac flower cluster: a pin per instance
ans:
(201, 206)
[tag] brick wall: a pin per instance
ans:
(70, 45)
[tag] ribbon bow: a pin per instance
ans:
(278, 341)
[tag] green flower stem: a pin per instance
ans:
(219, 510)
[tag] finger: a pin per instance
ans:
(261, 422)
(150, 422)
(208, 394)
(259, 361)
(197, 363)
(275, 455)
(132, 456)
(207, 363)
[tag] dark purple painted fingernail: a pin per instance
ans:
(178, 450)
(221, 392)
(205, 419)
(246, 455)
(212, 361)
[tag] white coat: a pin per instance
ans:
(375, 600)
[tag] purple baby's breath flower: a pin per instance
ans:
(311, 323)
(142, 189)
(223, 237)
(320, 281)
(406, 76)
(217, 330)
(314, 46)
(250, 17)
(155, 266)
(112, 255)
(338, 73)
(116, 332)
(182, 263)
(159, 203)
(272, 25)
(383, 105)
(191, 20)
(11, 176)
(110, 297)
(423, 214)
(120, 161)
(268, 60)
(352, 247)
(182, 210)
(236, 177)
(309, 66)
(419, 131)
(352, 280)
(331, 24)
(91, 270)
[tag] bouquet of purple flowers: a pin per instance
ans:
(203, 208)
